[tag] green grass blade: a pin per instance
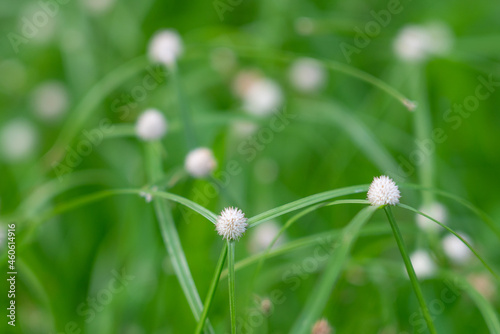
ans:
(360, 134)
(410, 270)
(305, 202)
(90, 104)
(211, 291)
(171, 238)
(487, 310)
(319, 296)
(231, 284)
(481, 214)
(465, 242)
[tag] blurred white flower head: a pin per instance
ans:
(165, 47)
(416, 43)
(263, 97)
(423, 264)
(243, 128)
(231, 224)
(455, 249)
(200, 162)
(98, 6)
(262, 236)
(383, 191)
(151, 125)
(435, 210)
(18, 140)
(321, 327)
(307, 75)
(50, 101)
(244, 80)
(483, 284)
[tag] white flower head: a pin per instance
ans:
(200, 162)
(243, 80)
(416, 43)
(50, 101)
(321, 326)
(383, 191)
(484, 285)
(18, 139)
(231, 224)
(422, 264)
(263, 235)
(165, 47)
(435, 210)
(307, 75)
(455, 249)
(98, 6)
(263, 97)
(151, 125)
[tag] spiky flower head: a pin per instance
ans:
(200, 162)
(231, 224)
(383, 191)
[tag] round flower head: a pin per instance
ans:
(383, 191)
(435, 210)
(50, 100)
(422, 264)
(151, 125)
(263, 235)
(455, 249)
(98, 6)
(321, 327)
(231, 223)
(307, 75)
(263, 97)
(18, 140)
(415, 43)
(165, 47)
(200, 162)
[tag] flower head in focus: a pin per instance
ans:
(383, 191)
(231, 224)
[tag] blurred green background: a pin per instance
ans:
(337, 136)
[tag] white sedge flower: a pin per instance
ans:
(263, 97)
(416, 43)
(321, 327)
(307, 75)
(231, 224)
(383, 191)
(98, 6)
(50, 101)
(422, 264)
(18, 139)
(151, 125)
(244, 80)
(435, 210)
(165, 47)
(455, 249)
(200, 162)
(263, 235)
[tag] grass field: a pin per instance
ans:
(127, 128)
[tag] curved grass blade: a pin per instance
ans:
(487, 310)
(407, 207)
(358, 132)
(410, 270)
(305, 202)
(171, 238)
(481, 214)
(319, 296)
(211, 291)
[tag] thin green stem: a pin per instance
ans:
(231, 279)
(211, 290)
(184, 109)
(410, 270)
